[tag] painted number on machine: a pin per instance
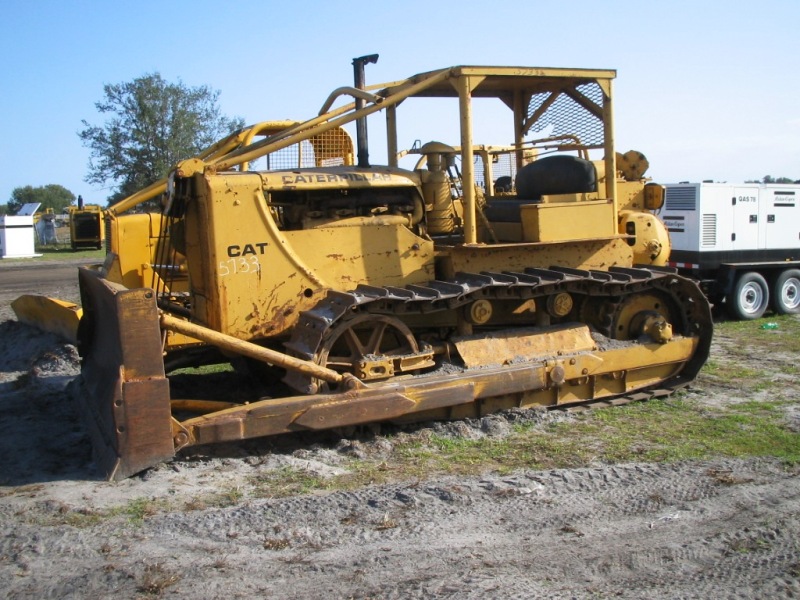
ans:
(243, 259)
(241, 264)
(747, 199)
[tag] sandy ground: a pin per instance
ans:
(197, 528)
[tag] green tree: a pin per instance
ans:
(151, 125)
(52, 196)
(771, 179)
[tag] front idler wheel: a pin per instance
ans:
(364, 345)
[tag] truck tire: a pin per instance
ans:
(786, 292)
(749, 298)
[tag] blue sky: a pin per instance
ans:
(707, 90)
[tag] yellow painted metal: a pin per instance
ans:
(656, 327)
(583, 375)
(148, 193)
(609, 147)
(654, 195)
(584, 254)
(633, 165)
(49, 314)
(519, 108)
(436, 188)
(374, 368)
(511, 346)
(480, 312)
(651, 244)
(563, 221)
(260, 276)
(135, 240)
(391, 135)
(337, 178)
(228, 148)
(631, 195)
(254, 351)
(464, 86)
(560, 305)
(462, 81)
(266, 128)
(637, 315)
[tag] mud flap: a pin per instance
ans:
(125, 395)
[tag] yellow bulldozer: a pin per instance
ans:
(474, 279)
(86, 226)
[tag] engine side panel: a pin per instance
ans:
(251, 277)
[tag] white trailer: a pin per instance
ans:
(741, 242)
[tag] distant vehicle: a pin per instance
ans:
(86, 229)
(742, 242)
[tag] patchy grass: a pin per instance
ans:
(61, 514)
(726, 370)
(139, 509)
(682, 427)
(204, 369)
(135, 511)
(754, 340)
(221, 499)
(755, 360)
(289, 481)
(656, 431)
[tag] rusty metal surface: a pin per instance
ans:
(505, 347)
(125, 395)
(608, 373)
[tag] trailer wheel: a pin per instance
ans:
(787, 292)
(750, 297)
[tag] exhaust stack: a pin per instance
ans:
(361, 124)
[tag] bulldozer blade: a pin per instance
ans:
(49, 314)
(125, 395)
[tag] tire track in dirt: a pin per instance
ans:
(630, 531)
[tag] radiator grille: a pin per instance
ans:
(709, 233)
(681, 198)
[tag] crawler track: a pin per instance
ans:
(599, 296)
